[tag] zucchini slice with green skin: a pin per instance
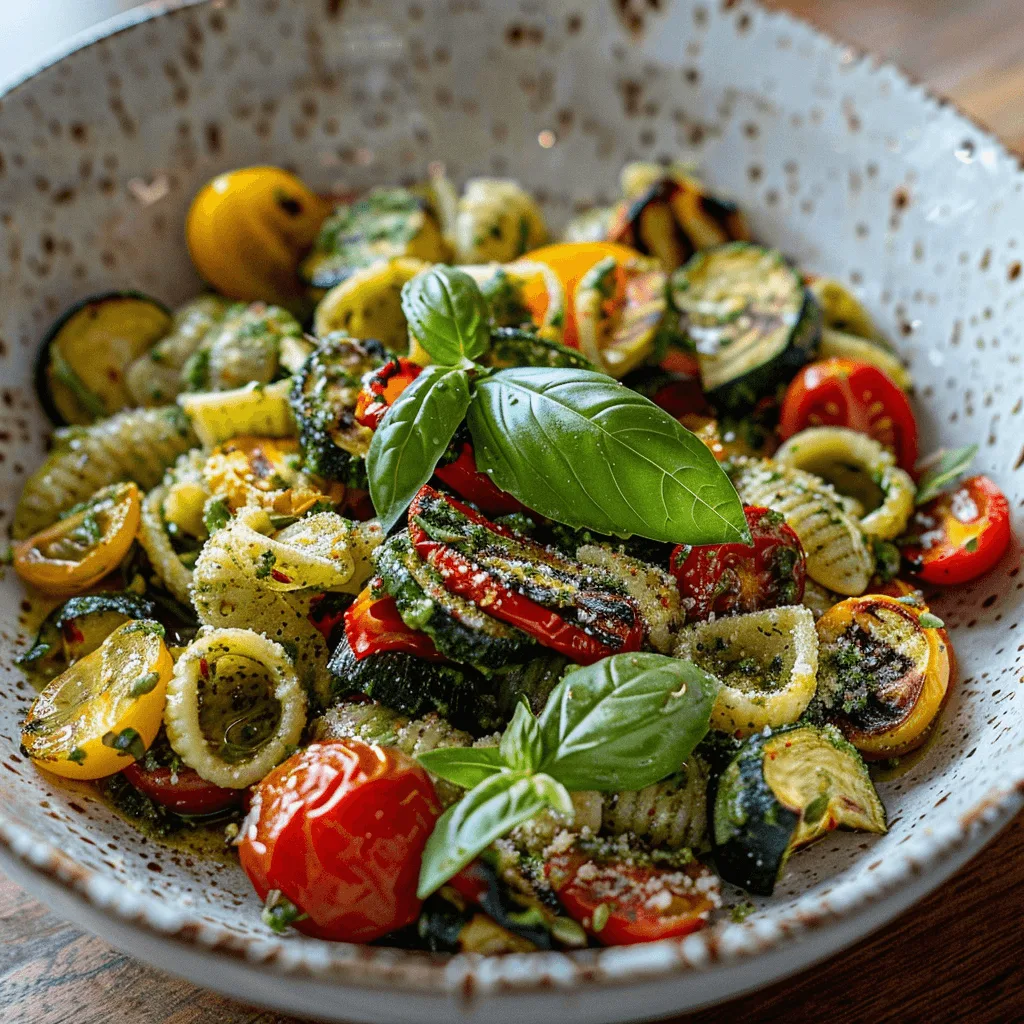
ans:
(387, 222)
(842, 311)
(85, 356)
(750, 318)
(460, 630)
(840, 345)
(323, 398)
(517, 346)
(783, 790)
(411, 686)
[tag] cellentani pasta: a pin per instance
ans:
(490, 593)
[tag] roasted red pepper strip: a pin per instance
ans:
(468, 482)
(373, 625)
(468, 579)
(381, 390)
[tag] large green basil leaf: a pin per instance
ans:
(485, 813)
(465, 766)
(447, 315)
(582, 449)
(522, 745)
(625, 722)
(413, 436)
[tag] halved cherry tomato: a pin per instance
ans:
(570, 261)
(845, 393)
(960, 534)
(728, 579)
(373, 625)
(620, 903)
(468, 482)
(614, 623)
(79, 550)
(382, 388)
(339, 830)
(183, 790)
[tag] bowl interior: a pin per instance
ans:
(844, 166)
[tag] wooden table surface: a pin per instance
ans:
(955, 957)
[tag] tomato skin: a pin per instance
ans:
(373, 625)
(845, 393)
(625, 889)
(380, 391)
(182, 790)
(976, 514)
(339, 829)
(728, 579)
(468, 482)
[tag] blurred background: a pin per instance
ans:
(969, 50)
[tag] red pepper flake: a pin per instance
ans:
(204, 668)
(276, 574)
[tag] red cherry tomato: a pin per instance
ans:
(182, 790)
(468, 482)
(960, 534)
(372, 625)
(728, 579)
(642, 903)
(339, 829)
(382, 388)
(845, 393)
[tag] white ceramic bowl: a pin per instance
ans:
(841, 162)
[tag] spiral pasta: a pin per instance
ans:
(235, 706)
(838, 555)
(173, 573)
(135, 445)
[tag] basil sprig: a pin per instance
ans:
(573, 445)
(944, 468)
(623, 723)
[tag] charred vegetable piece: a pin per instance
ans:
(620, 310)
(785, 789)
(387, 223)
(382, 387)
(373, 625)
(574, 609)
(410, 685)
(496, 220)
(462, 476)
(460, 630)
(516, 346)
(85, 622)
(727, 579)
(883, 673)
(750, 318)
(324, 396)
(85, 356)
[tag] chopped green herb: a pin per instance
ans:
(929, 621)
(145, 684)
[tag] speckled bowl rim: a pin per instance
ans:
(935, 852)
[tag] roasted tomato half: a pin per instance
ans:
(729, 579)
(338, 831)
(623, 902)
(845, 393)
(182, 790)
(960, 534)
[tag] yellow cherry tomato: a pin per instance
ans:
(78, 551)
(247, 229)
(106, 709)
(570, 261)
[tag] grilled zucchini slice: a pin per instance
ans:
(840, 345)
(323, 398)
(516, 346)
(842, 311)
(496, 220)
(750, 319)
(86, 355)
(766, 662)
(386, 223)
(369, 304)
(783, 790)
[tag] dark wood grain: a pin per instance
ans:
(953, 958)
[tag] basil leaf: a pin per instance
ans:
(413, 436)
(447, 314)
(582, 449)
(521, 745)
(625, 722)
(465, 766)
(484, 814)
(942, 470)
(555, 795)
